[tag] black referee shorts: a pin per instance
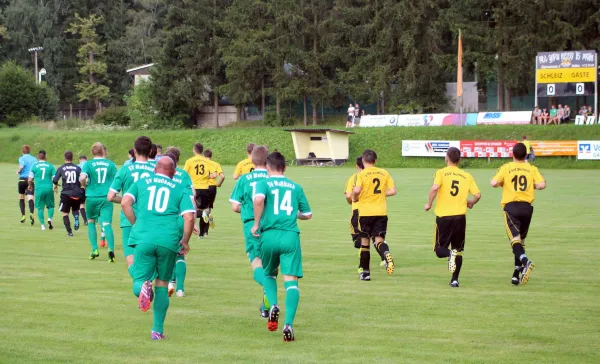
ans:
(22, 187)
(517, 218)
(450, 232)
(212, 195)
(202, 199)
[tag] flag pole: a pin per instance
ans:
(459, 77)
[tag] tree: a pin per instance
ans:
(89, 58)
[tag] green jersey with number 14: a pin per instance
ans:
(244, 191)
(126, 177)
(283, 200)
(160, 201)
(100, 173)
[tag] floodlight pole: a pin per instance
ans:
(35, 51)
(596, 87)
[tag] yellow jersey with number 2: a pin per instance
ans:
(374, 183)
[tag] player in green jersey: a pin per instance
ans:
(161, 202)
(181, 177)
(241, 203)
(41, 176)
(96, 177)
(278, 202)
(126, 177)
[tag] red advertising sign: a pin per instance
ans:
(487, 148)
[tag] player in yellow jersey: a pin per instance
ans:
(452, 186)
(213, 183)
(245, 166)
(350, 184)
(373, 186)
(530, 156)
(201, 170)
(518, 181)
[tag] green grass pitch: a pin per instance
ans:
(57, 306)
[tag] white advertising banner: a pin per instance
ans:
(588, 150)
(505, 117)
(427, 148)
(369, 121)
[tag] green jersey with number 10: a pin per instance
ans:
(284, 199)
(126, 177)
(244, 191)
(100, 173)
(160, 201)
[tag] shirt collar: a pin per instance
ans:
(276, 176)
(162, 175)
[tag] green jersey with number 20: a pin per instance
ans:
(244, 191)
(283, 200)
(160, 201)
(126, 177)
(100, 173)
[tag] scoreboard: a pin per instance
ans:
(569, 73)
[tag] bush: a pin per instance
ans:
(47, 102)
(113, 115)
(272, 119)
(143, 115)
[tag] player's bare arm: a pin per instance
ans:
(188, 227)
(473, 201)
(355, 193)
(540, 186)
(259, 208)
(432, 195)
(304, 216)
(114, 197)
(83, 180)
(496, 184)
(30, 183)
(220, 179)
(236, 207)
(391, 192)
(127, 206)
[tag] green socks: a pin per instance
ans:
(259, 275)
(180, 272)
(270, 287)
(41, 216)
(292, 297)
(50, 213)
(93, 236)
(110, 237)
(161, 305)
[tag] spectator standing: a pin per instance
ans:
(350, 119)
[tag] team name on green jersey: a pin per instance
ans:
(284, 199)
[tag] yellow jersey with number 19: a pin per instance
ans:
(374, 183)
(518, 179)
(199, 169)
(455, 187)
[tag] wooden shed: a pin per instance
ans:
(321, 147)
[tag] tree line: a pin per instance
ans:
(391, 53)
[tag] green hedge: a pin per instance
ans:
(229, 144)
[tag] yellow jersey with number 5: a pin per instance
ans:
(517, 179)
(374, 183)
(455, 187)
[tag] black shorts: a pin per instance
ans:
(202, 199)
(68, 203)
(354, 232)
(349, 118)
(372, 226)
(22, 187)
(517, 218)
(212, 195)
(450, 232)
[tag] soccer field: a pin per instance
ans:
(58, 306)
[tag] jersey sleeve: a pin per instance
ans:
(133, 191)
(537, 176)
(21, 162)
(219, 169)
(53, 169)
(303, 205)
(499, 177)
(238, 169)
(185, 203)
(359, 180)
(187, 182)
(32, 171)
(473, 189)
(261, 189)
(117, 183)
(86, 169)
(236, 194)
(186, 166)
(437, 177)
(57, 176)
(350, 184)
(113, 171)
(390, 182)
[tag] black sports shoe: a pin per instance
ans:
(70, 235)
(273, 322)
(365, 276)
(111, 256)
(288, 333)
(454, 284)
(31, 219)
(50, 225)
(515, 281)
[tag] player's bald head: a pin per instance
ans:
(259, 156)
(165, 166)
(98, 149)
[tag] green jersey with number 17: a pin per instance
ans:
(100, 173)
(160, 201)
(284, 199)
(244, 190)
(126, 177)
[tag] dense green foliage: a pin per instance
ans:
(21, 98)
(389, 52)
(114, 115)
(229, 144)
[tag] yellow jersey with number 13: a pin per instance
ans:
(374, 183)
(518, 179)
(199, 169)
(455, 187)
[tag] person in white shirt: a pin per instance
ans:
(350, 116)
